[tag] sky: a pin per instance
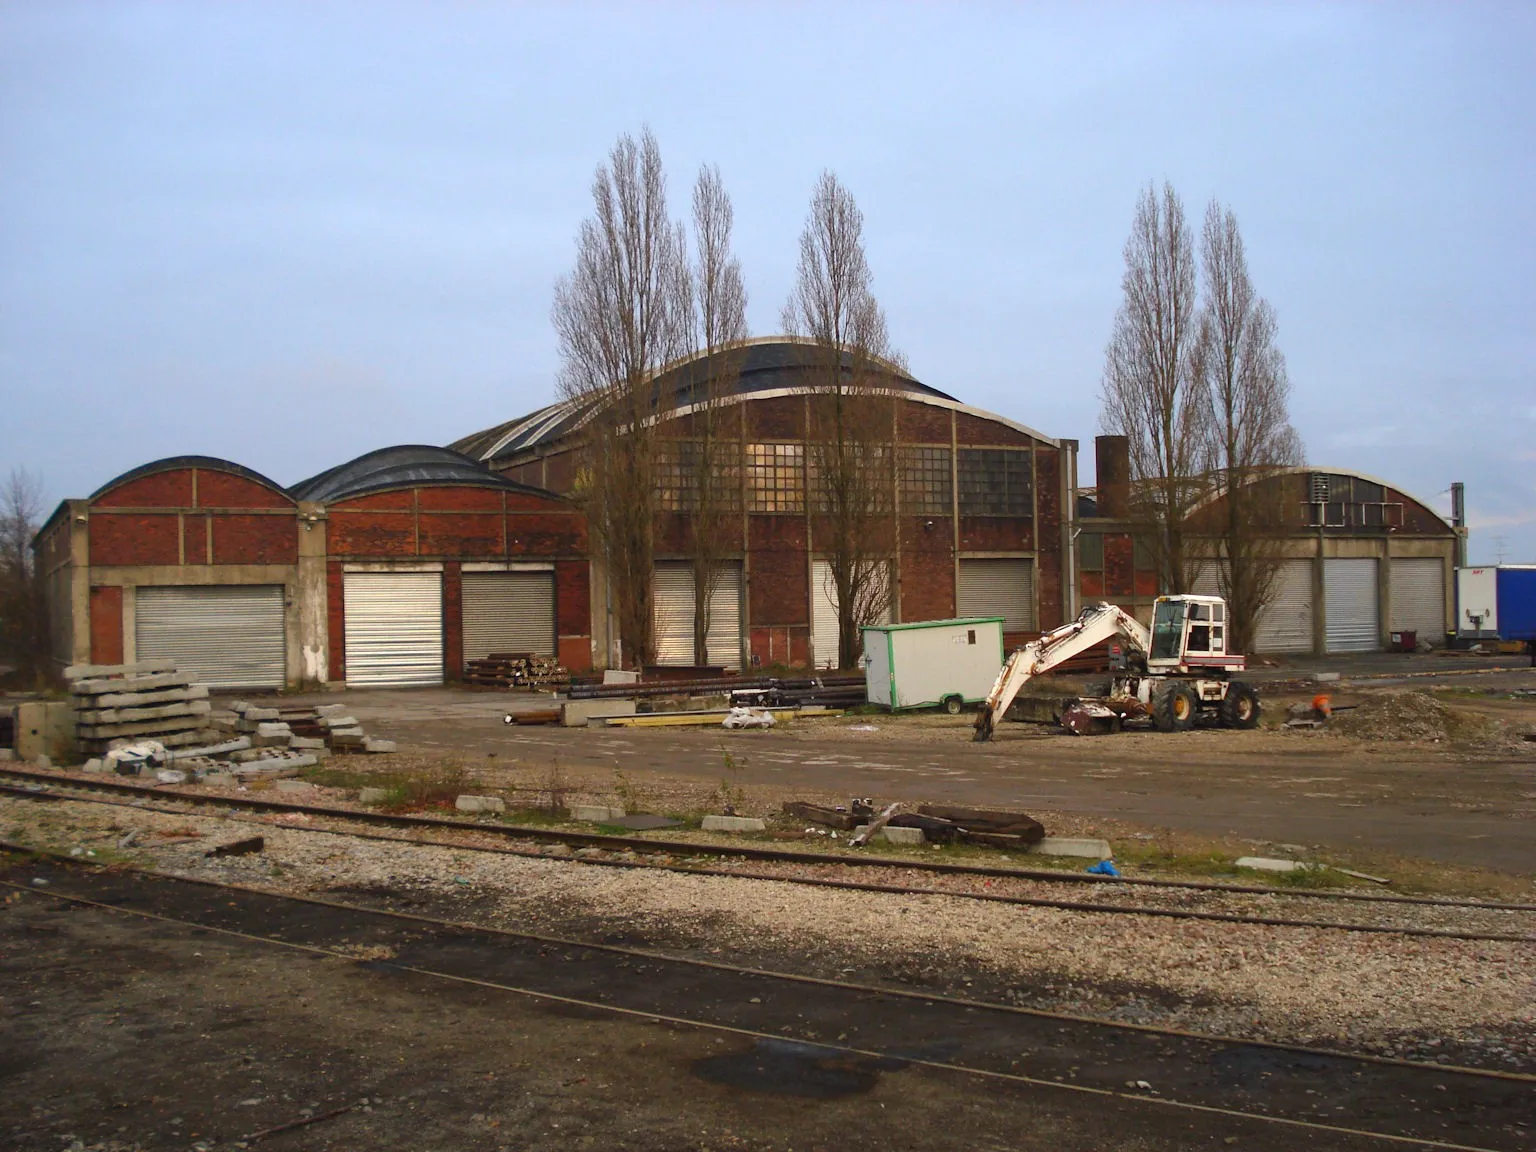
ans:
(288, 234)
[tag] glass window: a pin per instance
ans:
(681, 471)
(1091, 550)
(996, 482)
(1168, 630)
(776, 478)
(1142, 556)
(925, 481)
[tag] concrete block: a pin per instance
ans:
(45, 728)
(619, 676)
(576, 713)
(275, 741)
(307, 743)
(1324, 677)
(894, 835)
(734, 824)
(43, 761)
(295, 786)
(480, 804)
(219, 780)
(372, 795)
(374, 744)
(94, 764)
(335, 722)
(7, 754)
(261, 714)
(1269, 864)
(330, 710)
(596, 813)
(1087, 848)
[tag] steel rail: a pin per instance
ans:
(688, 848)
(717, 966)
(843, 885)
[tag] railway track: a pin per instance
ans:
(1394, 914)
(1308, 1093)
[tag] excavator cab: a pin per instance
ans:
(1188, 630)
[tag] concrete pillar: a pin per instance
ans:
(309, 639)
(78, 512)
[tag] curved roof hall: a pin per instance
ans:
(402, 466)
(174, 463)
(771, 364)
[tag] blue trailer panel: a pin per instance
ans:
(1517, 602)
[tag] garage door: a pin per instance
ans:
(673, 615)
(1285, 625)
(224, 636)
(1003, 588)
(824, 615)
(394, 628)
(1349, 598)
(1418, 597)
(508, 612)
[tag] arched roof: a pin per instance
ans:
(1307, 470)
(772, 366)
(402, 466)
(175, 463)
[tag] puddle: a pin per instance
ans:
(786, 1068)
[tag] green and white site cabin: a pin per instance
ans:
(932, 663)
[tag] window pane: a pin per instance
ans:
(1091, 549)
(995, 482)
(776, 477)
(925, 481)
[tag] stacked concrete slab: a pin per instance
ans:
(121, 703)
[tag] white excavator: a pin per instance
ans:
(1178, 672)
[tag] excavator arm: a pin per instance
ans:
(1096, 624)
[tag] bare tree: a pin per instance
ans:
(1153, 374)
(850, 406)
(621, 315)
(713, 472)
(1248, 389)
(23, 610)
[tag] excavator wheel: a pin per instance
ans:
(1175, 707)
(1241, 707)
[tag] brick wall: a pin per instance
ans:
(927, 568)
(106, 625)
(780, 583)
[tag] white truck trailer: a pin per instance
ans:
(932, 663)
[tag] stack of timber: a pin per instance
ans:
(939, 823)
(516, 670)
(121, 703)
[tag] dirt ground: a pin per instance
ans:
(1467, 804)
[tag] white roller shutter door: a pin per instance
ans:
(1207, 580)
(394, 628)
(1285, 625)
(224, 636)
(508, 612)
(824, 615)
(1418, 597)
(1349, 598)
(672, 599)
(1003, 588)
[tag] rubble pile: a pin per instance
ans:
(1400, 716)
(516, 670)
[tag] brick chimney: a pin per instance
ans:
(1112, 466)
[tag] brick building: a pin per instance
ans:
(981, 510)
(391, 569)
(1360, 559)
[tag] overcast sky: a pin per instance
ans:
(289, 234)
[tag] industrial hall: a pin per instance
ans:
(400, 567)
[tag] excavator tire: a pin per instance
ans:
(1175, 708)
(1241, 707)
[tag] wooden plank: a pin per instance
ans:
(99, 716)
(144, 699)
(875, 825)
(816, 814)
(129, 684)
(89, 671)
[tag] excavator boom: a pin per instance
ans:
(1096, 624)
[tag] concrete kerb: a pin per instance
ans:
(734, 824)
(596, 813)
(1085, 847)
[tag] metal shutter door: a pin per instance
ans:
(1418, 597)
(224, 636)
(672, 612)
(1285, 625)
(1003, 588)
(724, 639)
(672, 599)
(823, 615)
(1349, 598)
(394, 628)
(1208, 580)
(508, 612)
